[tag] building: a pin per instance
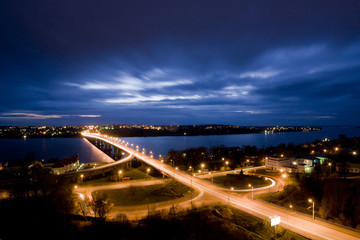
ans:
(304, 168)
(348, 167)
(275, 163)
(66, 165)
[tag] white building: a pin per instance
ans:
(274, 163)
(66, 165)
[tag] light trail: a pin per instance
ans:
(299, 223)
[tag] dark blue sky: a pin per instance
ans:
(180, 62)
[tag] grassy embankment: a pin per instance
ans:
(208, 222)
(141, 195)
(133, 174)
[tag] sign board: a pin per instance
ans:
(275, 220)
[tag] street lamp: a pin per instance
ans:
(252, 191)
(313, 207)
(82, 177)
(287, 216)
(329, 167)
(147, 171)
(120, 172)
(227, 163)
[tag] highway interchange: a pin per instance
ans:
(295, 221)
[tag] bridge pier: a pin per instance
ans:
(117, 153)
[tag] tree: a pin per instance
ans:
(100, 204)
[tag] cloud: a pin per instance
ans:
(154, 79)
(260, 74)
(325, 117)
(34, 116)
(153, 98)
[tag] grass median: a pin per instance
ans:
(140, 195)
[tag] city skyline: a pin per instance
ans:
(204, 62)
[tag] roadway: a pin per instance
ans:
(304, 225)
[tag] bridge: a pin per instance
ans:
(297, 222)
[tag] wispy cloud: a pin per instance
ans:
(251, 111)
(260, 74)
(155, 79)
(324, 117)
(153, 98)
(34, 116)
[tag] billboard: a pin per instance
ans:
(275, 220)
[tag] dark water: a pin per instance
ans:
(161, 145)
(46, 148)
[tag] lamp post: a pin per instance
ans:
(329, 167)
(147, 171)
(287, 216)
(120, 172)
(252, 191)
(82, 179)
(313, 207)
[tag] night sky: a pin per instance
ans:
(236, 62)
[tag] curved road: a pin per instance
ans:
(303, 225)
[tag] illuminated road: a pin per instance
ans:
(297, 222)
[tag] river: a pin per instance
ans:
(46, 148)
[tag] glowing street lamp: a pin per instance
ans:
(313, 207)
(252, 191)
(329, 166)
(287, 216)
(147, 171)
(120, 172)
(354, 153)
(82, 179)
